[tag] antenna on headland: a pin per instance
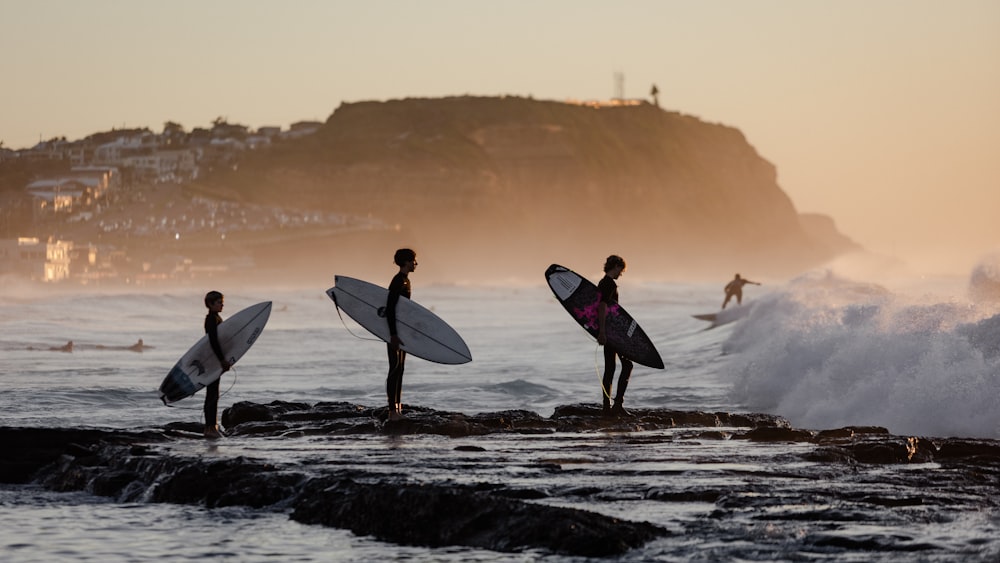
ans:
(619, 85)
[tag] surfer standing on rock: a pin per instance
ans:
(406, 259)
(613, 268)
(214, 301)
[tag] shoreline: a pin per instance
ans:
(493, 480)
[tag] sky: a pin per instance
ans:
(883, 114)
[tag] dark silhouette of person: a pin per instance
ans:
(735, 289)
(400, 286)
(608, 289)
(655, 93)
(215, 301)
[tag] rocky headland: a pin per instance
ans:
(491, 188)
(524, 182)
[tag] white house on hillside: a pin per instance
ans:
(38, 261)
(163, 165)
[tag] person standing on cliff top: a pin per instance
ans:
(214, 301)
(608, 289)
(735, 289)
(406, 259)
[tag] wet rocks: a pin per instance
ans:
(275, 418)
(28, 449)
(498, 497)
(435, 516)
(389, 509)
(964, 448)
(876, 449)
(777, 434)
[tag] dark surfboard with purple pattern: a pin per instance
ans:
(580, 298)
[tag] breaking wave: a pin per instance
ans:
(827, 352)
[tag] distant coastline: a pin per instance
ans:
(528, 179)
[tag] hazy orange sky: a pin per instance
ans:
(884, 114)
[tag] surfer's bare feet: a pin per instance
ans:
(212, 433)
(395, 412)
(619, 410)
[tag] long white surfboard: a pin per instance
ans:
(422, 333)
(199, 367)
(725, 316)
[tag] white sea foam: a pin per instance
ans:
(827, 352)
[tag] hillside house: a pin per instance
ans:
(301, 129)
(81, 186)
(36, 260)
(163, 165)
(54, 195)
(115, 152)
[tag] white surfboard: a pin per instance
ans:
(422, 333)
(725, 316)
(199, 367)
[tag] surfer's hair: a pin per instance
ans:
(212, 297)
(404, 255)
(613, 262)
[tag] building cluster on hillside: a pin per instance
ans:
(35, 260)
(52, 260)
(128, 184)
(171, 156)
(82, 186)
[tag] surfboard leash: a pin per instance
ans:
(349, 331)
(600, 377)
(231, 385)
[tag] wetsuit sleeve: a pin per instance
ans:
(609, 296)
(395, 288)
(212, 330)
(606, 288)
(390, 311)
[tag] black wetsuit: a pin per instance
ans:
(212, 321)
(609, 296)
(400, 286)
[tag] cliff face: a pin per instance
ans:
(528, 183)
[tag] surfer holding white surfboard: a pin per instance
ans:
(215, 301)
(406, 327)
(406, 259)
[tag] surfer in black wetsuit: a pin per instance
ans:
(613, 267)
(406, 259)
(735, 289)
(214, 302)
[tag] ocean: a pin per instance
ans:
(821, 350)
